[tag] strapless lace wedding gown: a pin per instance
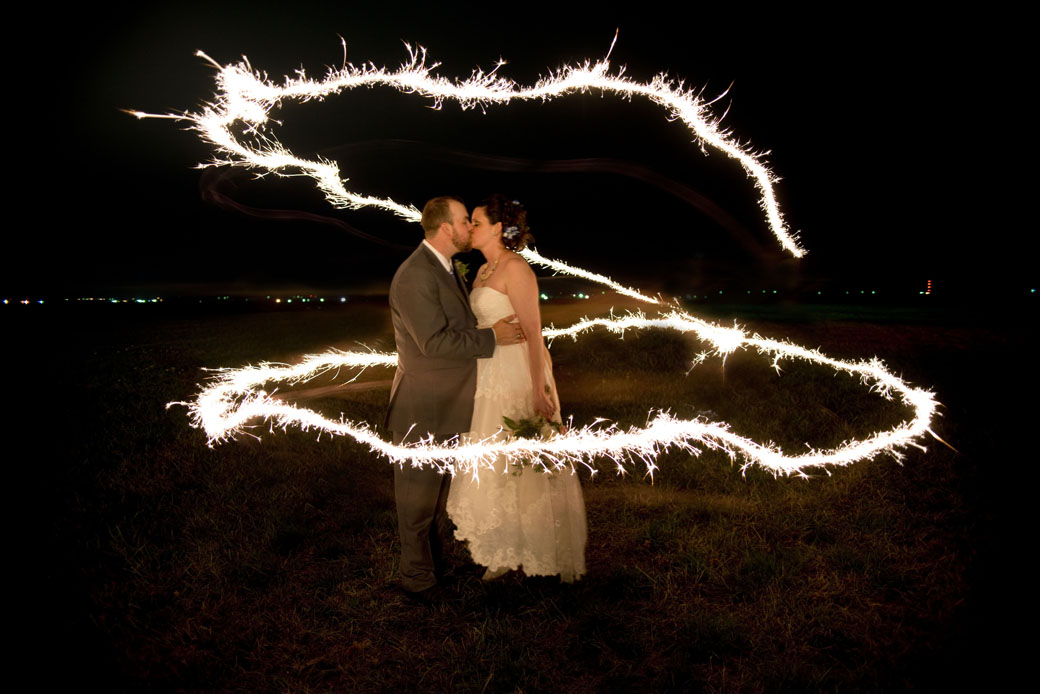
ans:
(532, 519)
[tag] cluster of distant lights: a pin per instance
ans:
(337, 299)
(300, 299)
(306, 299)
(98, 299)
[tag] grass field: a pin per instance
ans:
(269, 565)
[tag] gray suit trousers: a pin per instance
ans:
(422, 521)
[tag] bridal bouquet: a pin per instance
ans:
(531, 428)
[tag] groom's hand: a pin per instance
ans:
(508, 332)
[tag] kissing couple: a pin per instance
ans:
(465, 360)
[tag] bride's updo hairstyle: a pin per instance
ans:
(515, 234)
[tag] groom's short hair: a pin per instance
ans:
(436, 212)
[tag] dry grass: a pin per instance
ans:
(269, 565)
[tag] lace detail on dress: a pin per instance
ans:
(531, 520)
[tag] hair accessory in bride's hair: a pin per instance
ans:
(510, 232)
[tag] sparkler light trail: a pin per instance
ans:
(247, 97)
(235, 397)
(225, 408)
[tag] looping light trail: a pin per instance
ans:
(247, 96)
(225, 408)
(235, 397)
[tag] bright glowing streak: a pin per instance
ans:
(225, 408)
(724, 340)
(235, 398)
(248, 97)
(532, 256)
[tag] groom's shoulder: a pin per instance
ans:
(421, 256)
(416, 263)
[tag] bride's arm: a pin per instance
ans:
(522, 288)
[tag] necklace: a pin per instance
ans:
(487, 273)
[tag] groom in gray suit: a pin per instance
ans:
(438, 344)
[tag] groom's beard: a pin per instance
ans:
(461, 243)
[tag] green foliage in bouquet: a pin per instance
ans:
(531, 428)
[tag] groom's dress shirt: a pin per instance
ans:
(444, 261)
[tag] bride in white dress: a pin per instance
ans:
(515, 518)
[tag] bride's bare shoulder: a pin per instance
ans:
(514, 264)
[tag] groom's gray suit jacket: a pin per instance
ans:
(438, 344)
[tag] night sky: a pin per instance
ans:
(868, 115)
